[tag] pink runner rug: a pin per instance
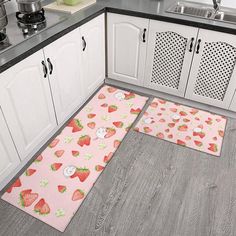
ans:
(57, 182)
(184, 125)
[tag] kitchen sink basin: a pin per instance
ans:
(203, 11)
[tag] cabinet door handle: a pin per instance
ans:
(198, 46)
(85, 44)
(50, 65)
(191, 45)
(45, 69)
(144, 35)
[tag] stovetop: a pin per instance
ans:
(18, 32)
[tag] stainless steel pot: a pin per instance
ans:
(29, 6)
(3, 17)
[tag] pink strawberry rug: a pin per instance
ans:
(183, 125)
(55, 185)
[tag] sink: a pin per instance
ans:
(203, 10)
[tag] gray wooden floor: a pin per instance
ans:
(151, 187)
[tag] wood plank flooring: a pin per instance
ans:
(151, 187)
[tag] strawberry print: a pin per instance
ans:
(135, 111)
(56, 166)
(76, 125)
(61, 188)
(84, 140)
(55, 184)
(27, 198)
(112, 108)
(30, 172)
(81, 173)
(78, 195)
(16, 184)
(42, 208)
(183, 125)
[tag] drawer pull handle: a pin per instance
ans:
(144, 35)
(45, 69)
(191, 45)
(50, 66)
(85, 44)
(198, 45)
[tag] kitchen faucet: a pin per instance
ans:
(216, 5)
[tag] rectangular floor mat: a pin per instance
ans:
(184, 125)
(56, 183)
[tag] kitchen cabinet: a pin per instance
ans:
(64, 70)
(233, 103)
(169, 56)
(93, 53)
(213, 74)
(9, 158)
(26, 102)
(127, 45)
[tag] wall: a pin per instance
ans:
(225, 3)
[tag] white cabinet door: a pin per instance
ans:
(93, 53)
(169, 56)
(127, 46)
(213, 75)
(64, 64)
(26, 102)
(9, 158)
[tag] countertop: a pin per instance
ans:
(152, 9)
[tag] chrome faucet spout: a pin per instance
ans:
(216, 4)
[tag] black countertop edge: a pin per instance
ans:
(173, 20)
(46, 42)
(56, 36)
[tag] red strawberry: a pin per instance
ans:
(112, 108)
(42, 207)
(163, 109)
(27, 197)
(99, 168)
(186, 120)
(30, 172)
(198, 143)
(159, 114)
(104, 105)
(108, 157)
(101, 96)
(16, 184)
(81, 173)
(116, 143)
(59, 153)
(180, 142)
(183, 113)
(183, 128)
(110, 132)
(221, 133)
(213, 147)
(215, 138)
(129, 95)
(187, 138)
(167, 130)
(84, 140)
(76, 125)
(194, 111)
(162, 120)
(154, 104)
(77, 195)
(147, 129)
(38, 159)
(136, 129)
(91, 115)
(75, 153)
(170, 136)
(209, 122)
(200, 134)
(162, 101)
(111, 90)
(55, 166)
(173, 110)
(135, 111)
(54, 143)
(61, 188)
(118, 124)
(160, 135)
(196, 118)
(171, 125)
(91, 125)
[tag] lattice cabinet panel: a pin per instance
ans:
(169, 53)
(212, 79)
(169, 56)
